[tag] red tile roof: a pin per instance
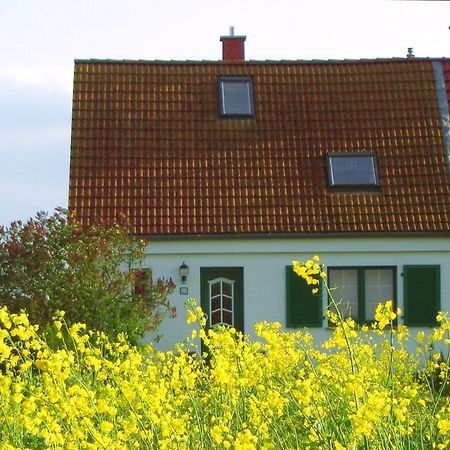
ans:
(147, 142)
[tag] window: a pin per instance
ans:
(352, 170)
(422, 289)
(221, 302)
(303, 308)
(236, 97)
(358, 290)
(222, 296)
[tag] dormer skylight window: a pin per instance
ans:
(352, 170)
(236, 97)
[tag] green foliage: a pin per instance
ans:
(53, 263)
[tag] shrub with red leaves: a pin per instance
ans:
(53, 263)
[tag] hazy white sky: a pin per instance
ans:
(39, 39)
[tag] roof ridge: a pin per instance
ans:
(267, 61)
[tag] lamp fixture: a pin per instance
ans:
(184, 271)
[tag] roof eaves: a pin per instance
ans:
(226, 236)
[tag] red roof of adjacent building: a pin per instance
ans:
(148, 143)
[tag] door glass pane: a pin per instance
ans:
(228, 303)
(216, 303)
(227, 289)
(228, 318)
(344, 284)
(216, 317)
(215, 289)
(379, 288)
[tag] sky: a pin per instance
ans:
(40, 39)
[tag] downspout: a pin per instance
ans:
(443, 104)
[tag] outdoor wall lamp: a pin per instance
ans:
(184, 271)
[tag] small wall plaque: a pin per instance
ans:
(184, 290)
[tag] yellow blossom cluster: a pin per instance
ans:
(385, 315)
(76, 389)
(310, 271)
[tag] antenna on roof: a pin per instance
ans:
(231, 31)
(410, 54)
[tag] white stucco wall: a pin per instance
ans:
(264, 261)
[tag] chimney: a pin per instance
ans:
(233, 47)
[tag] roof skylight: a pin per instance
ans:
(236, 97)
(352, 170)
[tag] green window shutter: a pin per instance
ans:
(303, 308)
(422, 294)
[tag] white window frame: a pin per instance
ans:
(221, 280)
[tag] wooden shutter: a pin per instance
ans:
(422, 294)
(303, 308)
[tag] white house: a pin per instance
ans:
(237, 167)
